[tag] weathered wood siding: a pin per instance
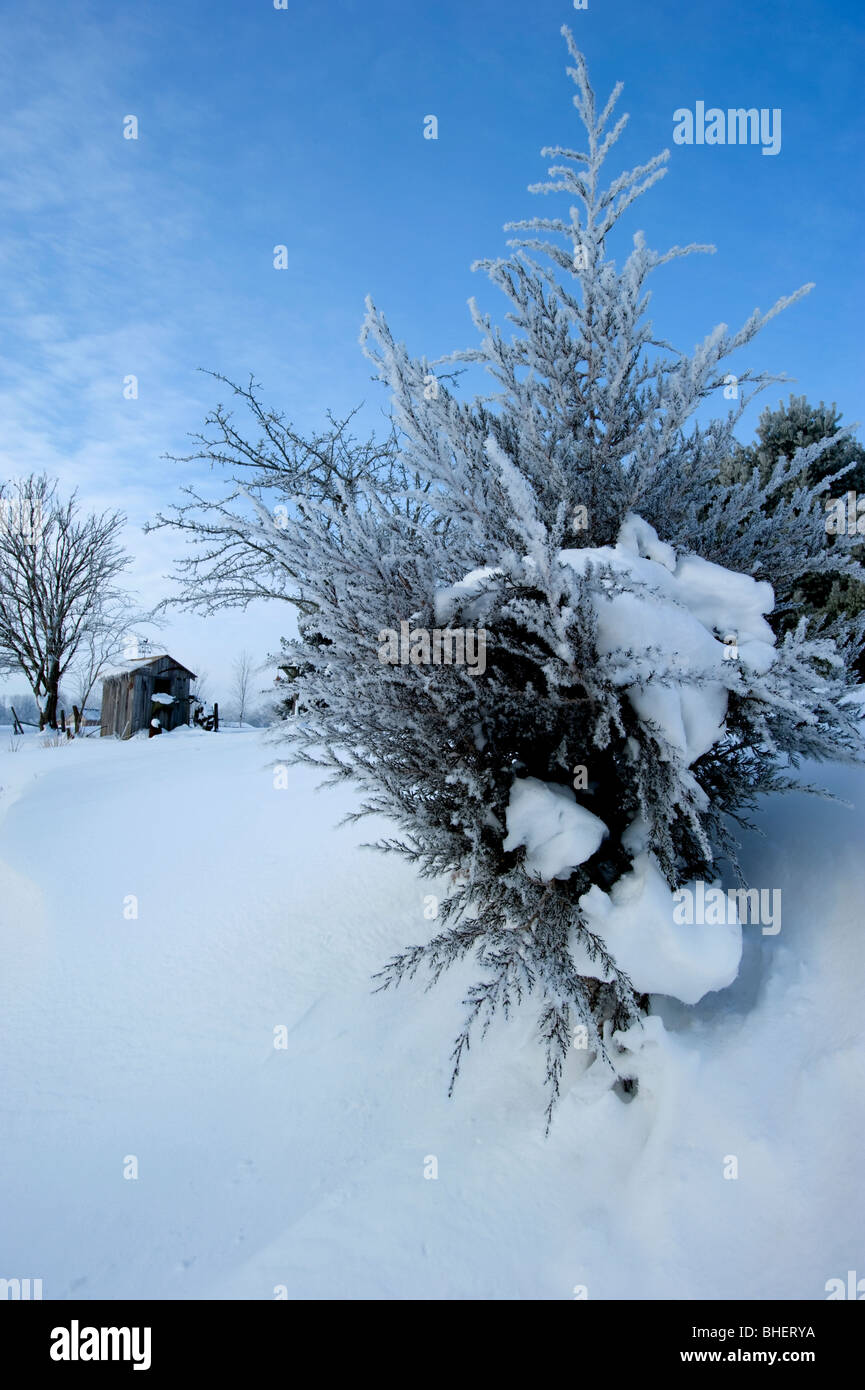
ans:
(117, 705)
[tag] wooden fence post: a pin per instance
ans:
(215, 717)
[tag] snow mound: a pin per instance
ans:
(730, 602)
(680, 631)
(635, 921)
(682, 608)
(637, 537)
(557, 832)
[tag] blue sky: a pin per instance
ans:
(304, 127)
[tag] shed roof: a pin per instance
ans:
(124, 668)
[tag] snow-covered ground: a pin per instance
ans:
(152, 1036)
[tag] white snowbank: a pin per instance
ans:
(557, 832)
(305, 1166)
(636, 922)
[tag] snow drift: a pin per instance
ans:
(303, 1167)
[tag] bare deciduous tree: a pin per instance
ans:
(57, 568)
(199, 688)
(242, 672)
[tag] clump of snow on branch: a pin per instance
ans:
(557, 832)
(637, 924)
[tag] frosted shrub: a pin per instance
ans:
(635, 699)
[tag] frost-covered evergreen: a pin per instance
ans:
(633, 699)
(835, 600)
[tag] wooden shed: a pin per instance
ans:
(142, 689)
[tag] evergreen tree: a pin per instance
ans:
(573, 521)
(833, 599)
(780, 432)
